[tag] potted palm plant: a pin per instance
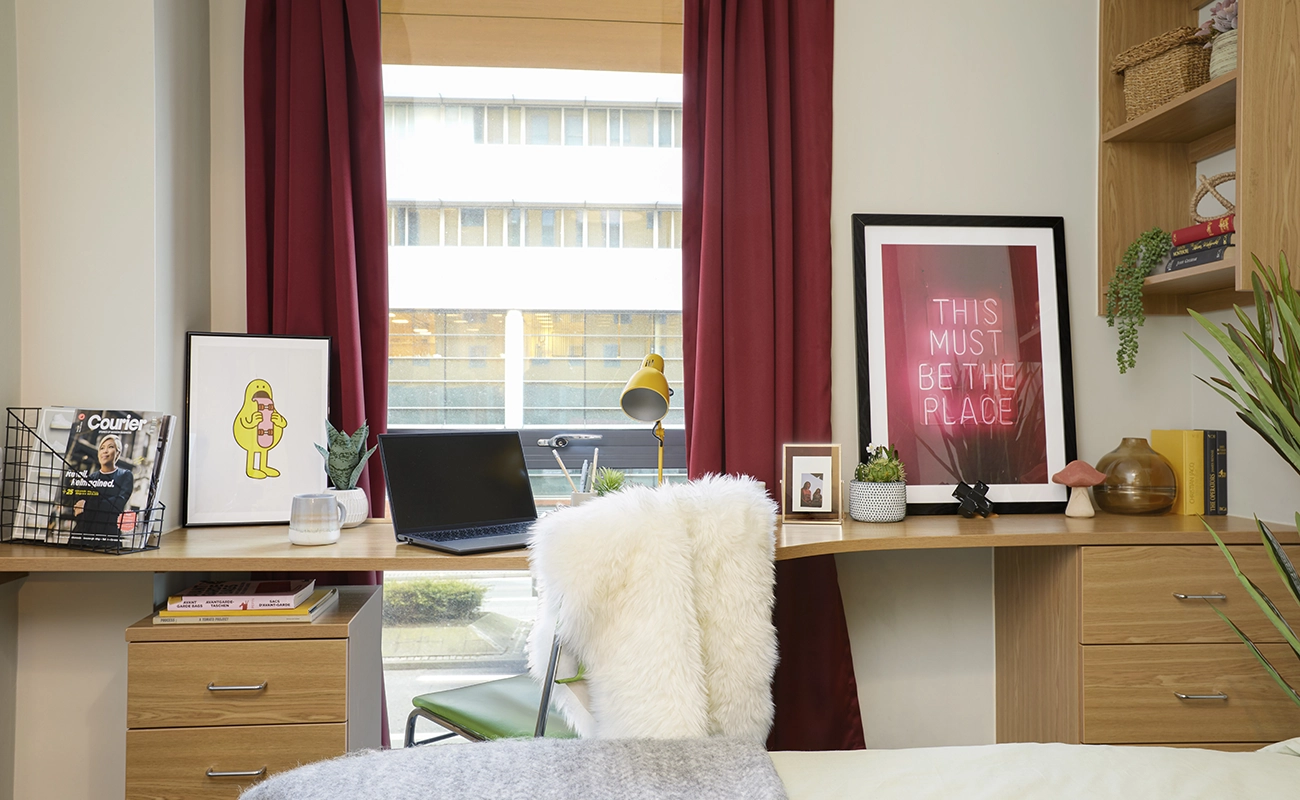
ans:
(344, 459)
(878, 491)
(1264, 385)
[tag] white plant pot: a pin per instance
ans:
(1223, 54)
(877, 502)
(354, 500)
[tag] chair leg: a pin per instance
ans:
(453, 730)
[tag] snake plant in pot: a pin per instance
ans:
(344, 460)
(878, 491)
(1263, 383)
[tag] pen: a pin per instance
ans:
(582, 479)
(560, 461)
(595, 459)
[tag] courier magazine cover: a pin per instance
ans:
(116, 461)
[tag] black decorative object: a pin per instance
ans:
(972, 500)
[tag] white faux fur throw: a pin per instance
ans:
(665, 597)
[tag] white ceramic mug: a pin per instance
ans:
(315, 519)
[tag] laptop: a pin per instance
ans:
(458, 492)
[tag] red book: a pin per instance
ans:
(1204, 230)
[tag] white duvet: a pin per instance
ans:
(1042, 772)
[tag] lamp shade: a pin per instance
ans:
(646, 395)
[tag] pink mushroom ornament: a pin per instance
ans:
(1079, 475)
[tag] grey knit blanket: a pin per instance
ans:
(538, 769)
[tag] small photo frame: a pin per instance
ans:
(255, 406)
(810, 483)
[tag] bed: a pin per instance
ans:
(732, 769)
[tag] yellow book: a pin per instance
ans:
(1185, 452)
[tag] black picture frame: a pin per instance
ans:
(905, 256)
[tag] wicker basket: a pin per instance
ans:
(1160, 69)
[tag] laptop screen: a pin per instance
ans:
(455, 480)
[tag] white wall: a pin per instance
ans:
(989, 108)
(960, 108)
(112, 138)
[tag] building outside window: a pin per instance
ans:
(535, 239)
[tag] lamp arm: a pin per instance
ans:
(658, 431)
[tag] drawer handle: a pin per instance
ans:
(1217, 696)
(212, 687)
(252, 773)
(1216, 596)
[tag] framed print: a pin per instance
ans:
(254, 408)
(963, 348)
(810, 483)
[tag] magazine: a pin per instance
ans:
(41, 486)
(115, 464)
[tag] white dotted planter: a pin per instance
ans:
(356, 504)
(877, 502)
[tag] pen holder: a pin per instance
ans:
(578, 498)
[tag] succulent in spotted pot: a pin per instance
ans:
(346, 455)
(882, 466)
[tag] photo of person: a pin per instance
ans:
(113, 463)
(810, 481)
(102, 492)
(810, 493)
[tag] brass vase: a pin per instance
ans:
(1138, 480)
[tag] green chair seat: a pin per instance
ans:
(500, 709)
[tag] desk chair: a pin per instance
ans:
(506, 708)
(664, 597)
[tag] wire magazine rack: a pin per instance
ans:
(35, 507)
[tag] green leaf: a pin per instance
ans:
(323, 451)
(1272, 671)
(1264, 604)
(1281, 562)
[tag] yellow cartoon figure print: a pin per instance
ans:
(258, 428)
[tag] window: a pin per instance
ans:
(535, 258)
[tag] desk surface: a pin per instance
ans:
(372, 546)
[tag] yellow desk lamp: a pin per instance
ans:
(646, 398)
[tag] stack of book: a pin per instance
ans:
(1200, 462)
(247, 601)
(1206, 243)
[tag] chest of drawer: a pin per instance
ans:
(1130, 694)
(1128, 594)
(186, 764)
(192, 684)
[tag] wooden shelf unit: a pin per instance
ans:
(1147, 166)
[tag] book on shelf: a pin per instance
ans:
(320, 602)
(115, 465)
(242, 595)
(1211, 256)
(1185, 452)
(1223, 240)
(1220, 474)
(1214, 463)
(1204, 230)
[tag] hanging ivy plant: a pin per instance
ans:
(1124, 292)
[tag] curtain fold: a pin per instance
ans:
(316, 204)
(757, 281)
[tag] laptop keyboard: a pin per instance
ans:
(476, 532)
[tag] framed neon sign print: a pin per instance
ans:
(963, 350)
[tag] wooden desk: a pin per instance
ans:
(372, 546)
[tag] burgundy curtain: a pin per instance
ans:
(757, 281)
(316, 204)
